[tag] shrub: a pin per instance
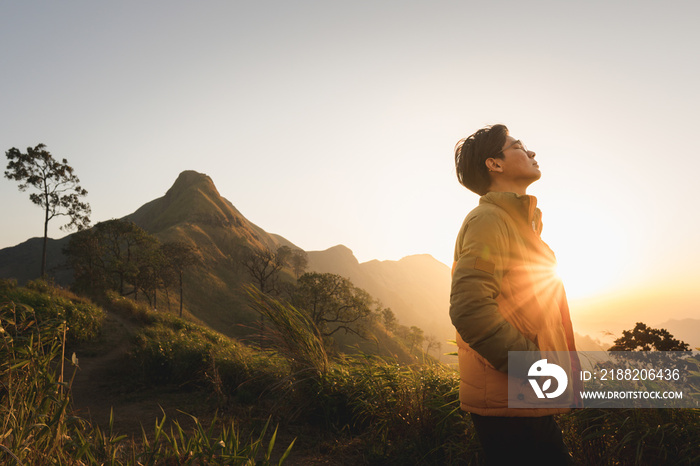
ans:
(166, 355)
(83, 318)
(130, 308)
(633, 436)
(240, 374)
(407, 415)
(172, 350)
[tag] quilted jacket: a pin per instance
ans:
(505, 296)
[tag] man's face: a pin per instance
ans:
(518, 163)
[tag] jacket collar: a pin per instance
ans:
(522, 208)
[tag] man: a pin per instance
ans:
(505, 296)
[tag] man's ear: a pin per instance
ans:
(494, 165)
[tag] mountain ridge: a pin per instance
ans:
(193, 211)
(415, 287)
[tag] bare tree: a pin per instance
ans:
(333, 303)
(58, 190)
(180, 257)
(152, 266)
(264, 265)
(299, 261)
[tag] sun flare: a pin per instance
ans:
(589, 262)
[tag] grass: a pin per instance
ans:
(83, 317)
(370, 409)
(38, 427)
(405, 414)
(34, 399)
(402, 413)
(634, 436)
(170, 350)
(409, 414)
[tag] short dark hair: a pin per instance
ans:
(471, 154)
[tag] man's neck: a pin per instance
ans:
(499, 186)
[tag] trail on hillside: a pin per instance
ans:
(98, 388)
(92, 389)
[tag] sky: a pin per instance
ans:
(334, 122)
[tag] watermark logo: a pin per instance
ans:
(541, 369)
(604, 379)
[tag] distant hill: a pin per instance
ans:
(194, 212)
(23, 261)
(416, 288)
(587, 343)
(687, 330)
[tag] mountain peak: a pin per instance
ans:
(338, 259)
(194, 204)
(342, 253)
(188, 179)
(192, 199)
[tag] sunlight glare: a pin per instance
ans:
(591, 262)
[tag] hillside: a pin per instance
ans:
(194, 212)
(144, 387)
(23, 261)
(416, 288)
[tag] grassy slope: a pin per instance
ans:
(360, 411)
(192, 211)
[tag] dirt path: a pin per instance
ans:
(92, 388)
(116, 340)
(97, 388)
